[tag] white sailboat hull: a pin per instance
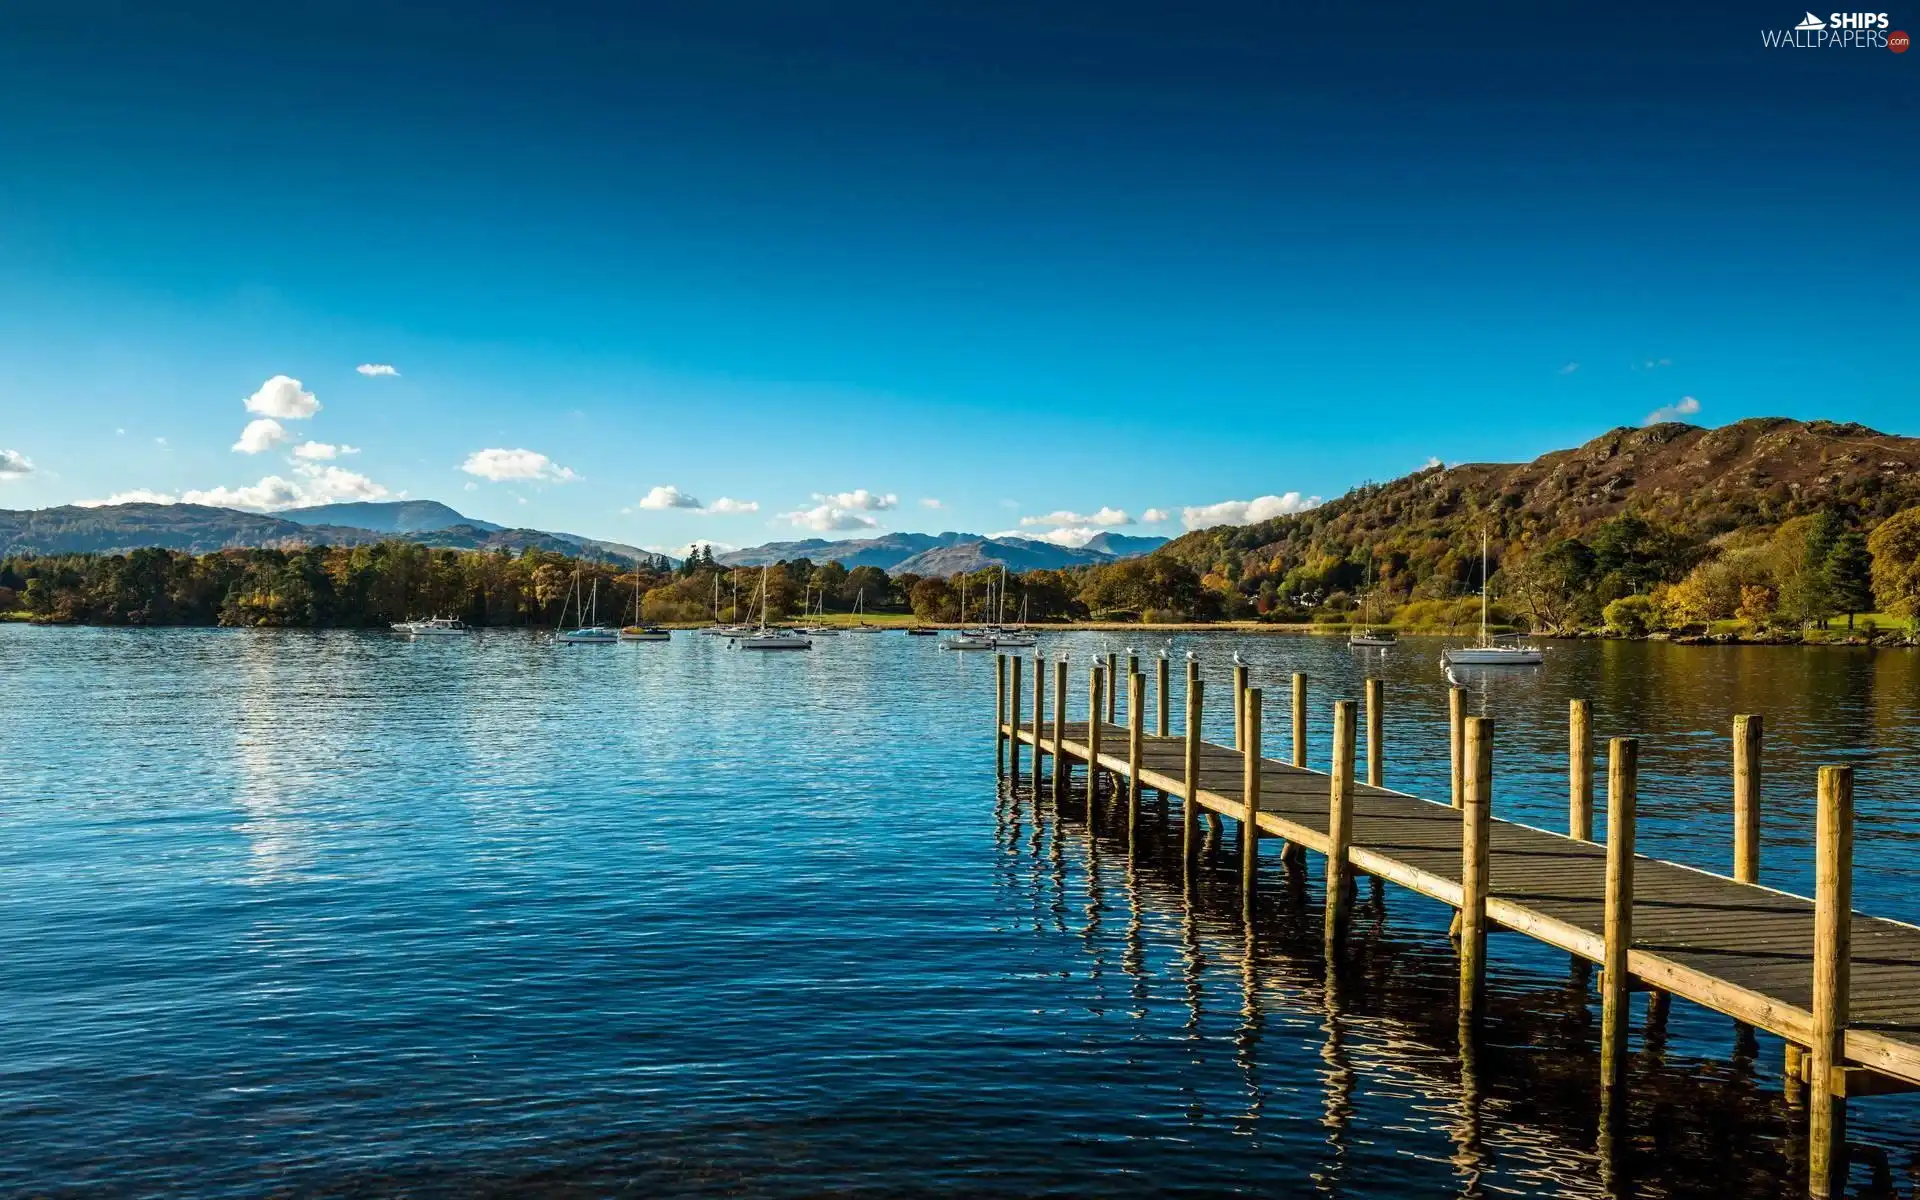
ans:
(1495, 656)
(775, 641)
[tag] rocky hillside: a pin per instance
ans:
(1692, 484)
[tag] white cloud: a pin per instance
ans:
(1074, 536)
(14, 465)
(1570, 368)
(1654, 364)
(829, 518)
(1154, 516)
(261, 433)
(375, 369)
(469, 486)
(311, 485)
(668, 496)
(502, 465)
(136, 496)
(1106, 516)
(283, 397)
(858, 500)
(930, 502)
(1433, 460)
(727, 504)
(315, 451)
(1686, 407)
(1246, 512)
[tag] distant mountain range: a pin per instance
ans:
(945, 553)
(202, 529)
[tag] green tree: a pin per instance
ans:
(1895, 546)
(1849, 572)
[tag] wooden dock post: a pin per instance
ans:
(1062, 765)
(1013, 716)
(1112, 676)
(1039, 713)
(1299, 718)
(1136, 746)
(999, 714)
(1250, 798)
(1339, 825)
(1476, 829)
(1832, 975)
(1580, 770)
(1190, 795)
(1623, 782)
(1747, 730)
(1162, 724)
(1376, 743)
(1239, 705)
(1096, 693)
(1456, 734)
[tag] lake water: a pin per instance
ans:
(311, 913)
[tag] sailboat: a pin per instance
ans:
(772, 639)
(819, 627)
(1366, 635)
(589, 632)
(967, 639)
(733, 630)
(1488, 653)
(638, 632)
(1018, 637)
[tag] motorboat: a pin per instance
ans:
(1370, 637)
(918, 631)
(432, 627)
(1491, 652)
(645, 633)
(969, 641)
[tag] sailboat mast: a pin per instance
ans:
(1483, 588)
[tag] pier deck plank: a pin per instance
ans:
(1738, 948)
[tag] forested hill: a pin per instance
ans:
(1660, 500)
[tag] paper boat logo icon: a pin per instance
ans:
(1812, 22)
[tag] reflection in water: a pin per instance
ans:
(387, 918)
(1517, 1107)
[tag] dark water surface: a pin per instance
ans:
(338, 913)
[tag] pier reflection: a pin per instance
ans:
(1515, 1108)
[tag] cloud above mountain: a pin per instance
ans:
(1246, 512)
(260, 435)
(284, 398)
(376, 369)
(14, 465)
(1106, 516)
(1686, 406)
(519, 465)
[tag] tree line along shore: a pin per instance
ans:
(1815, 577)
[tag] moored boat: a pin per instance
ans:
(1490, 653)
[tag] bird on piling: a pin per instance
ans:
(1237, 660)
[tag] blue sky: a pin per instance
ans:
(1042, 262)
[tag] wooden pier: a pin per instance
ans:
(1841, 989)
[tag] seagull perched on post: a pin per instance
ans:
(1192, 657)
(1237, 660)
(1163, 651)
